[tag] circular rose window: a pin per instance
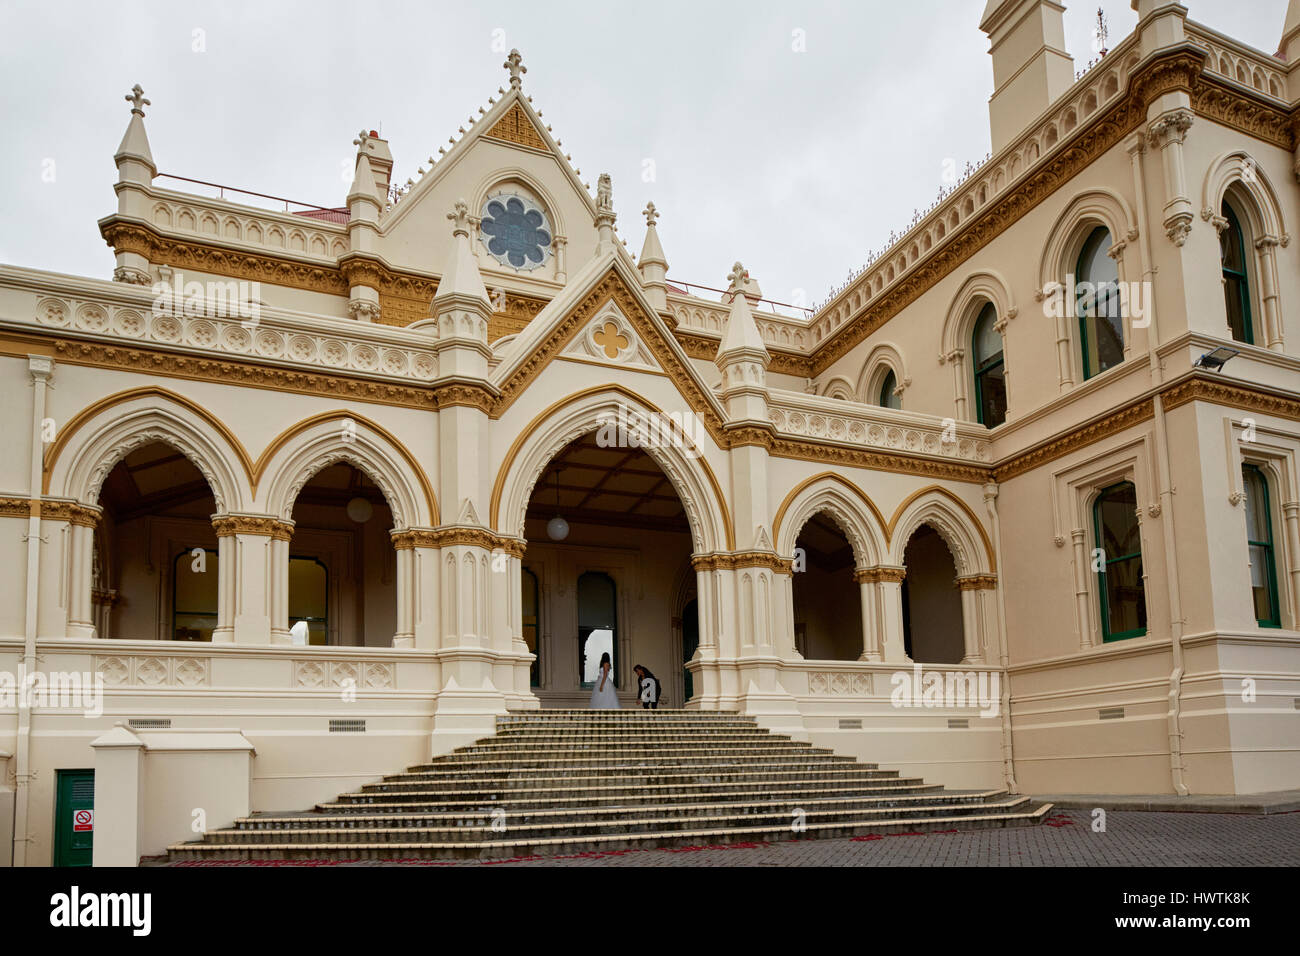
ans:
(515, 231)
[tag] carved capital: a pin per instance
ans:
(1170, 128)
(363, 311)
(132, 276)
(977, 582)
(263, 525)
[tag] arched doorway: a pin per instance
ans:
(827, 602)
(933, 631)
(607, 572)
(342, 565)
(155, 569)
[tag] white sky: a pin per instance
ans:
(794, 163)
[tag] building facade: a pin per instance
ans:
(315, 493)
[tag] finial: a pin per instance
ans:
(460, 218)
(515, 64)
(363, 141)
(738, 275)
(137, 100)
(650, 213)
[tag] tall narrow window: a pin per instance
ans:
(597, 626)
(990, 370)
(1259, 542)
(1236, 283)
(888, 387)
(528, 604)
(1119, 580)
(1098, 306)
(194, 595)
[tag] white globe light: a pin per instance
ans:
(557, 528)
(360, 510)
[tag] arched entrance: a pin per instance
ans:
(606, 571)
(933, 629)
(827, 602)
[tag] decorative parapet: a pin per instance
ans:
(854, 424)
(1239, 63)
(153, 670)
(319, 673)
(841, 684)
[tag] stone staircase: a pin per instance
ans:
(555, 782)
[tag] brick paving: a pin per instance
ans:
(1131, 838)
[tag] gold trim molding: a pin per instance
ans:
(455, 536)
(879, 575)
(978, 582)
(732, 561)
(228, 525)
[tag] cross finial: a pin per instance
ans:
(515, 64)
(738, 275)
(136, 99)
(363, 141)
(650, 213)
(460, 218)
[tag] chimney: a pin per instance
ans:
(1030, 66)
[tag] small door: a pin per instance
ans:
(690, 641)
(74, 818)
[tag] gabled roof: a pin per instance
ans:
(511, 121)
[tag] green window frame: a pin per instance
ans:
(1098, 309)
(1259, 546)
(990, 402)
(1121, 572)
(1236, 280)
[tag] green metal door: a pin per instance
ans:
(74, 817)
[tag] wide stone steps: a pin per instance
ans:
(579, 781)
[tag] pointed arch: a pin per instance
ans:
(985, 286)
(1094, 207)
(99, 436)
(298, 453)
(1237, 169)
(583, 412)
(847, 504)
(883, 359)
(955, 522)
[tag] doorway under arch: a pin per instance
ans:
(933, 631)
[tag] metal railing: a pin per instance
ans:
(771, 303)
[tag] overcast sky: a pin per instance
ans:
(796, 163)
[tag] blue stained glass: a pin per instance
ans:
(517, 234)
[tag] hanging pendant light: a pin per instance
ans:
(557, 528)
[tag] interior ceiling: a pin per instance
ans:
(607, 486)
(155, 479)
(338, 484)
(825, 544)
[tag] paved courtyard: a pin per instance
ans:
(1131, 838)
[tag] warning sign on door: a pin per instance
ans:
(83, 821)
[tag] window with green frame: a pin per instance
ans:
(888, 397)
(990, 370)
(1119, 578)
(1236, 282)
(1259, 543)
(1098, 305)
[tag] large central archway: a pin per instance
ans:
(605, 577)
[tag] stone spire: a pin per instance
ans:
(461, 306)
(741, 342)
(135, 172)
(134, 158)
(515, 64)
(363, 237)
(653, 265)
(1289, 47)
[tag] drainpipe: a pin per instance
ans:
(1166, 514)
(41, 367)
(1004, 704)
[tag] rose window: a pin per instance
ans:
(515, 231)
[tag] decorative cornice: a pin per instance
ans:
(158, 362)
(878, 461)
(740, 435)
(464, 394)
(731, 561)
(1238, 396)
(458, 536)
(17, 507)
(265, 525)
(60, 510)
(1096, 430)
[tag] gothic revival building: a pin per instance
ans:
(318, 493)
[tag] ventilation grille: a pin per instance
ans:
(1110, 713)
(958, 723)
(347, 726)
(150, 723)
(850, 723)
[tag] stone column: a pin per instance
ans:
(1116, 253)
(257, 579)
(561, 255)
(868, 588)
(1266, 248)
(224, 632)
(1081, 569)
(889, 595)
(955, 360)
(976, 600)
(81, 616)
(405, 632)
(1167, 133)
(1291, 509)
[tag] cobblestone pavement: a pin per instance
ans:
(1066, 839)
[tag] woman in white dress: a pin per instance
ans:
(603, 695)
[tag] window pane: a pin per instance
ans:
(1125, 600)
(988, 341)
(1117, 522)
(993, 395)
(1099, 306)
(1256, 504)
(887, 397)
(1259, 538)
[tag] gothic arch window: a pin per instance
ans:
(1236, 277)
(1098, 305)
(1259, 542)
(1120, 582)
(990, 369)
(888, 396)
